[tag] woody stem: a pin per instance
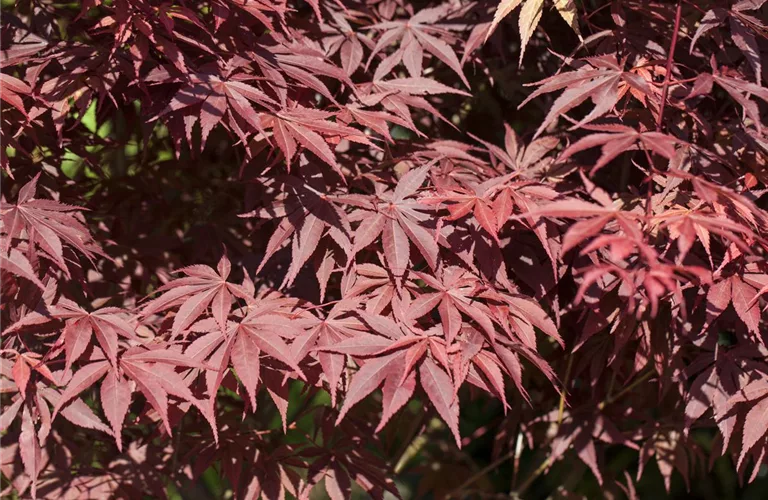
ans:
(670, 58)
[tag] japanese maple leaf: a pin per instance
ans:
(378, 121)
(201, 288)
(262, 329)
(399, 220)
(400, 94)
(306, 215)
(741, 91)
(377, 287)
(341, 38)
(396, 351)
(216, 99)
(457, 292)
(257, 8)
(530, 14)
(311, 129)
(47, 226)
(743, 29)
(617, 139)
(650, 281)
(520, 157)
(472, 363)
(151, 371)
(672, 450)
(343, 457)
(16, 263)
(719, 380)
(13, 90)
(736, 291)
(688, 225)
(107, 324)
(478, 200)
(338, 325)
(754, 394)
(416, 35)
(158, 29)
(596, 218)
(602, 79)
(581, 432)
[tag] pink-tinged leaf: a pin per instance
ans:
(755, 425)
(718, 297)
(486, 217)
(13, 89)
(164, 356)
(530, 14)
(741, 296)
(211, 113)
(278, 390)
(77, 336)
(115, 400)
(191, 310)
(337, 483)
(16, 263)
(492, 372)
(245, 359)
(413, 54)
(382, 325)
(220, 307)
(362, 344)
(533, 313)
(9, 414)
(425, 242)
(80, 414)
(439, 389)
(83, 378)
(410, 183)
(21, 373)
(315, 143)
(585, 448)
(351, 55)
(395, 396)
(367, 379)
(442, 51)
(273, 345)
(502, 10)
(450, 318)
(396, 247)
(711, 20)
(150, 384)
(418, 86)
(368, 230)
(31, 454)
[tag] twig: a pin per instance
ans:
(482, 472)
(670, 58)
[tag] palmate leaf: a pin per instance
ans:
(149, 371)
(416, 36)
(530, 14)
(201, 288)
(616, 140)
(14, 89)
(743, 28)
(399, 222)
(602, 79)
(48, 226)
